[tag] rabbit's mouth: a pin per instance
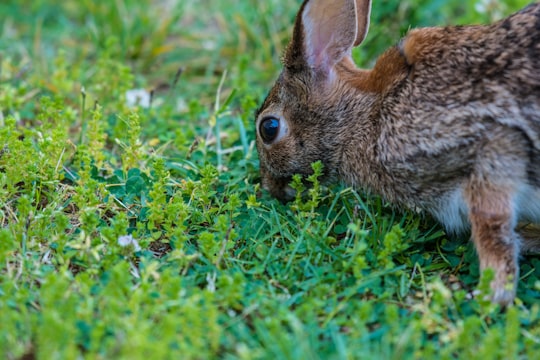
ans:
(279, 188)
(286, 194)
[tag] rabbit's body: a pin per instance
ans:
(435, 127)
(447, 121)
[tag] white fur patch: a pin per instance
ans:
(452, 212)
(528, 204)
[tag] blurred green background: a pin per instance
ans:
(206, 37)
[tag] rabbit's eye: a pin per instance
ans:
(269, 129)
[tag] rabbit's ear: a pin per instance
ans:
(326, 31)
(363, 11)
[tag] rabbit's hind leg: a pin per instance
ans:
(492, 220)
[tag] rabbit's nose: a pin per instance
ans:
(279, 188)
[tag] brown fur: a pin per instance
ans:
(447, 121)
(419, 42)
(390, 68)
(493, 233)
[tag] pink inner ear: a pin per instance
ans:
(314, 43)
(329, 31)
(317, 46)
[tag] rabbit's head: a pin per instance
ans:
(304, 117)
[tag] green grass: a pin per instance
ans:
(142, 232)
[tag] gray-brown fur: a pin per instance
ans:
(448, 120)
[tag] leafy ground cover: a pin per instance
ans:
(133, 225)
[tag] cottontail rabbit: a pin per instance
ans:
(447, 121)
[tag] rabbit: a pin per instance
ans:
(447, 121)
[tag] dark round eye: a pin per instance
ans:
(269, 129)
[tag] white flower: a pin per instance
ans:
(138, 97)
(127, 240)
